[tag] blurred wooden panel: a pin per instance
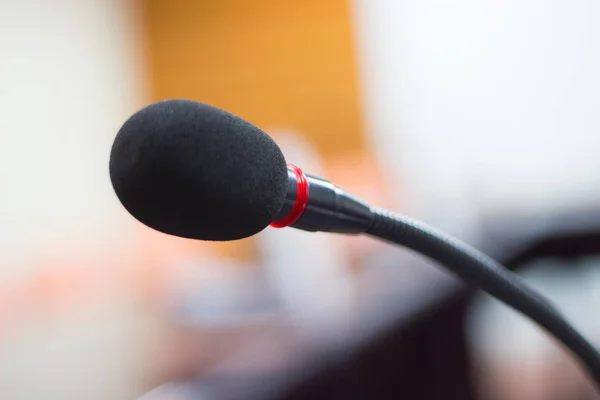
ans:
(278, 63)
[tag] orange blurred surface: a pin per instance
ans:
(288, 64)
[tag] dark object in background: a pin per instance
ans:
(420, 351)
(429, 359)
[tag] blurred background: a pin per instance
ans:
(479, 117)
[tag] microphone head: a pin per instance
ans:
(192, 170)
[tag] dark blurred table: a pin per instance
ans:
(407, 342)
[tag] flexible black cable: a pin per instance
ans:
(486, 274)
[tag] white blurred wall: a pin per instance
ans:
(484, 106)
(69, 76)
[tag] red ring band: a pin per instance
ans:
(301, 200)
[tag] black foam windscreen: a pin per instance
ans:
(192, 170)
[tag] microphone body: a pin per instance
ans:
(324, 206)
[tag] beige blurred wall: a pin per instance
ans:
(71, 71)
(70, 74)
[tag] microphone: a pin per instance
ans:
(192, 170)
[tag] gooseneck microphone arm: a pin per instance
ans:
(329, 208)
(486, 274)
(316, 205)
